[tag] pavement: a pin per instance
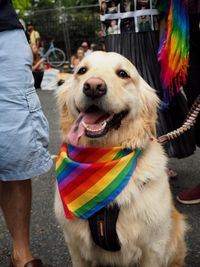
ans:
(46, 236)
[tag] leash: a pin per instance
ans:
(187, 125)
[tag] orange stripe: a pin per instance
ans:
(63, 148)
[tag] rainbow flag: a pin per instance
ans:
(90, 178)
(173, 53)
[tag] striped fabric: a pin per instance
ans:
(173, 53)
(90, 178)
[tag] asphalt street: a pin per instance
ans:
(46, 236)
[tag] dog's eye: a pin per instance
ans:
(82, 71)
(122, 74)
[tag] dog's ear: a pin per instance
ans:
(62, 96)
(150, 102)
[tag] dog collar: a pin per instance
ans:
(90, 178)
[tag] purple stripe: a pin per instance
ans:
(73, 175)
(74, 152)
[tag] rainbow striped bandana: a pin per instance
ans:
(90, 178)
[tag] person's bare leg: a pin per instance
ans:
(16, 205)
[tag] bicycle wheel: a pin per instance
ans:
(56, 57)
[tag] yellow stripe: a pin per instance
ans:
(109, 156)
(100, 185)
(59, 162)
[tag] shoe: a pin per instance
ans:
(60, 82)
(32, 263)
(190, 196)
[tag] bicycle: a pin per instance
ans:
(54, 56)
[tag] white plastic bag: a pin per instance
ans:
(49, 81)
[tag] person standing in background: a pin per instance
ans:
(34, 36)
(76, 59)
(23, 135)
(192, 88)
(141, 48)
(37, 67)
(85, 46)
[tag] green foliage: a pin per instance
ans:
(56, 3)
(39, 4)
(82, 26)
(21, 5)
(68, 27)
(68, 3)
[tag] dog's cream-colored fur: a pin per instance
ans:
(150, 230)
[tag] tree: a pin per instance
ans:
(21, 5)
(43, 4)
(68, 27)
(55, 3)
(68, 3)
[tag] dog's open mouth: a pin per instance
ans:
(94, 123)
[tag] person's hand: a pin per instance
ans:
(41, 60)
(38, 65)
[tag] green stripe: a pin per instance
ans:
(118, 155)
(106, 192)
(62, 166)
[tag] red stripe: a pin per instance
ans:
(86, 184)
(80, 179)
(93, 155)
(84, 177)
(68, 214)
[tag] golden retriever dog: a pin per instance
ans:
(150, 230)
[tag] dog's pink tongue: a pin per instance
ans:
(78, 129)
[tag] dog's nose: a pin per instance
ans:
(94, 88)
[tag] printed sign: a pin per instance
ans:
(128, 16)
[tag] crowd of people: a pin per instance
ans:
(39, 63)
(83, 51)
(23, 116)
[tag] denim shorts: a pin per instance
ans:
(23, 126)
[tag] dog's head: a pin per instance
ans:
(107, 103)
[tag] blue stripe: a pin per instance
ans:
(70, 148)
(69, 167)
(126, 151)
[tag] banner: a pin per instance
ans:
(128, 16)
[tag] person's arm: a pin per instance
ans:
(37, 65)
